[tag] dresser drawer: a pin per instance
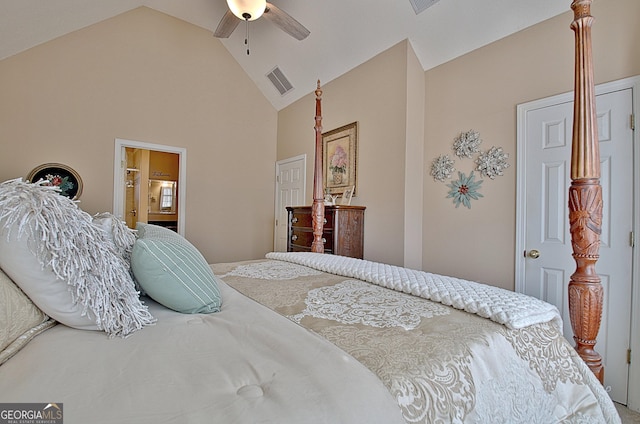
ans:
(303, 237)
(303, 219)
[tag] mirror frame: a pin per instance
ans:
(119, 170)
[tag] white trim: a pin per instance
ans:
(118, 180)
(633, 394)
(303, 158)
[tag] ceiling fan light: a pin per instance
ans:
(251, 8)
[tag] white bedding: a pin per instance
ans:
(443, 364)
(244, 364)
(511, 309)
(415, 360)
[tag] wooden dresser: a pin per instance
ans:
(343, 231)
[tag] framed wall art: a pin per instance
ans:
(339, 159)
(57, 174)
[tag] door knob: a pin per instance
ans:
(534, 254)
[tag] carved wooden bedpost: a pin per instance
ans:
(585, 198)
(317, 209)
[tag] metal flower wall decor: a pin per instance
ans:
(491, 163)
(442, 168)
(464, 189)
(466, 144)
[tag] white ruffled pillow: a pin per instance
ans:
(122, 238)
(67, 265)
(118, 233)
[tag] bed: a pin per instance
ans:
(102, 324)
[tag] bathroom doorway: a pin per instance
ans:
(149, 184)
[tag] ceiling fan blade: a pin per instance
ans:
(227, 24)
(285, 22)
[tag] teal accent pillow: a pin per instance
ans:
(173, 272)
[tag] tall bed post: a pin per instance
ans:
(585, 198)
(317, 209)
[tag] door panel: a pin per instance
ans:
(548, 153)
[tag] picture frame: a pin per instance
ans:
(339, 159)
(346, 196)
(63, 176)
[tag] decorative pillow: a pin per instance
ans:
(64, 263)
(20, 319)
(173, 272)
(121, 236)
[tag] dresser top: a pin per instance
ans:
(290, 208)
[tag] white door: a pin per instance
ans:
(290, 191)
(547, 153)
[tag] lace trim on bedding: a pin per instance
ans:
(271, 271)
(429, 375)
(358, 302)
(491, 402)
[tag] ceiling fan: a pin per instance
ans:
(250, 10)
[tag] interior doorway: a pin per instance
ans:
(290, 191)
(149, 184)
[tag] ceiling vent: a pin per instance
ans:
(420, 6)
(279, 81)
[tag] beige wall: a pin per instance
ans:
(375, 95)
(414, 168)
(480, 91)
(148, 77)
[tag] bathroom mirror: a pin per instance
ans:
(162, 196)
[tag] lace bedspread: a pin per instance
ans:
(441, 363)
(515, 310)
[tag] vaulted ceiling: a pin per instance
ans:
(344, 33)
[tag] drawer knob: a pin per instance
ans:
(294, 237)
(295, 219)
